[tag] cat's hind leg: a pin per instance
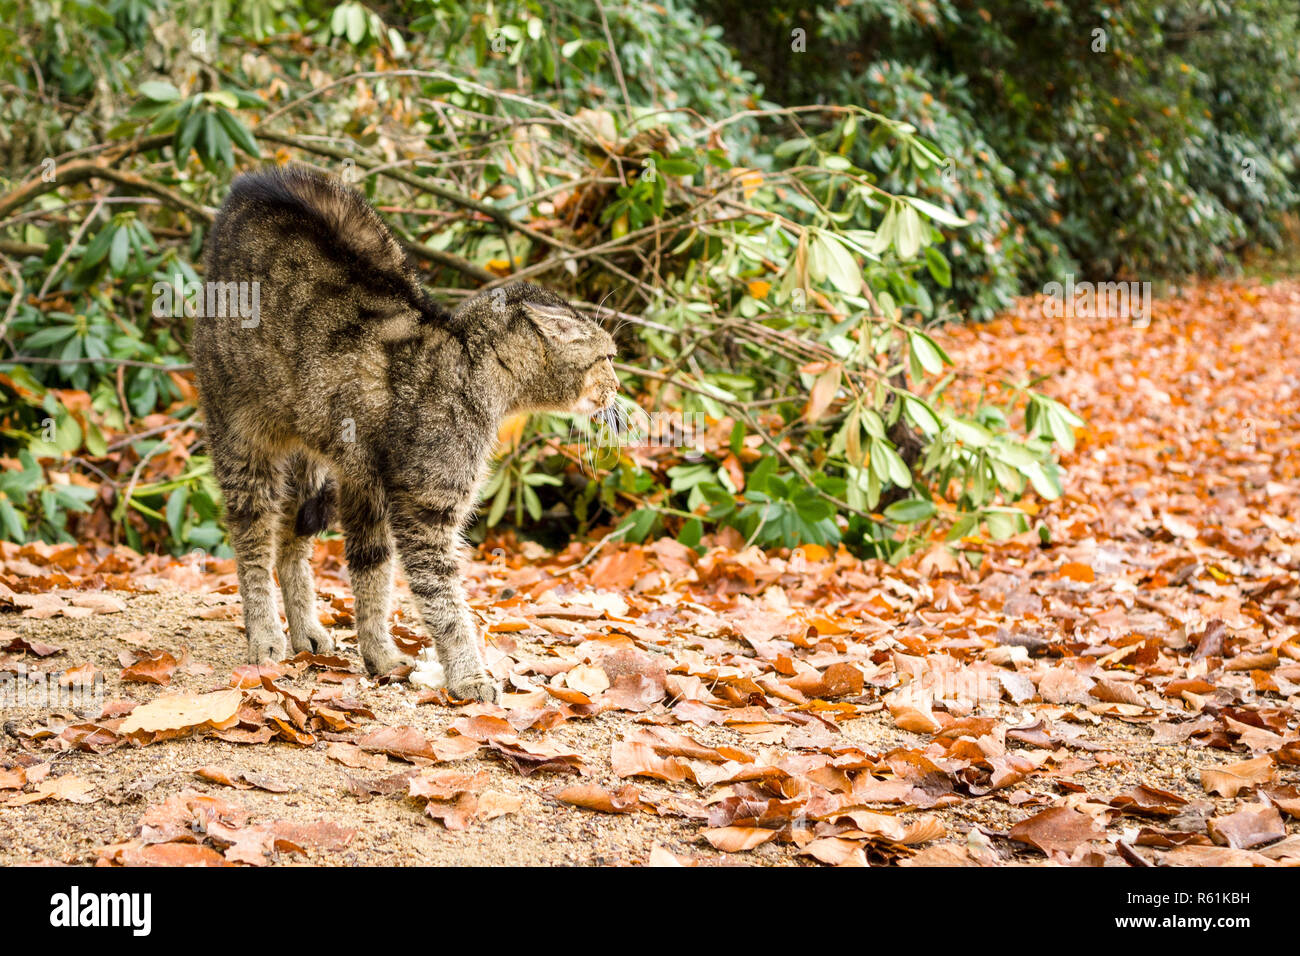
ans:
(305, 510)
(250, 482)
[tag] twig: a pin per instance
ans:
(67, 250)
(37, 360)
(14, 300)
(82, 170)
(614, 60)
(616, 533)
(448, 259)
(149, 433)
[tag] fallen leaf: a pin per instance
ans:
(1247, 828)
(1230, 779)
(737, 839)
(184, 712)
(1057, 829)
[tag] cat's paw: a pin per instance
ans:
(381, 660)
(265, 646)
(316, 639)
(474, 687)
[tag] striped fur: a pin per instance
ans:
(353, 390)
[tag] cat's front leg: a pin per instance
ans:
(426, 536)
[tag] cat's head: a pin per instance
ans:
(556, 358)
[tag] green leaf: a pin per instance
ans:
(922, 415)
(120, 249)
(67, 433)
(160, 91)
(791, 147)
(962, 528)
(176, 504)
(926, 352)
(356, 20)
(42, 338)
(969, 433)
(910, 510)
(532, 502)
(692, 531)
(12, 522)
(829, 259)
(1004, 524)
(239, 133)
(909, 237)
(187, 133)
(499, 503)
(1045, 484)
(937, 264)
(937, 213)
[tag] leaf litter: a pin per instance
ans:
(1117, 687)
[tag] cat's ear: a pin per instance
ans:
(556, 322)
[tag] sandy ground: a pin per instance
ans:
(391, 830)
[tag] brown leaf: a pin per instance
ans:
(631, 759)
(162, 854)
(150, 667)
(941, 854)
(836, 852)
(350, 755)
(737, 839)
(1143, 800)
(1064, 684)
(242, 780)
(69, 788)
(892, 829)
(1058, 829)
(529, 757)
(22, 645)
(838, 680)
(483, 727)
(405, 743)
(586, 679)
(1247, 828)
(494, 803)
(1210, 641)
(445, 784)
(13, 779)
(183, 712)
(591, 797)
(911, 711)
(1230, 779)
(1286, 799)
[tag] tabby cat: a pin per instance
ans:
(352, 388)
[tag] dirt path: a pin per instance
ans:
(1082, 670)
(393, 831)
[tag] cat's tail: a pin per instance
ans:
(335, 215)
(316, 512)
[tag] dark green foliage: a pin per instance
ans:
(1134, 139)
